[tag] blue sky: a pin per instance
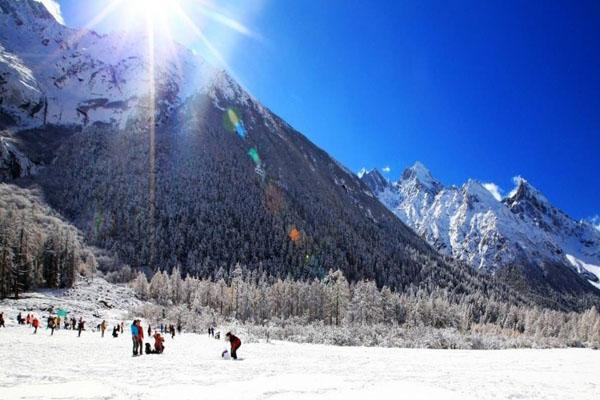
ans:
(488, 90)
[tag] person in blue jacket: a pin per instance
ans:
(134, 337)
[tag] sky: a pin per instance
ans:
(485, 90)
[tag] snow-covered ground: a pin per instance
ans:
(66, 367)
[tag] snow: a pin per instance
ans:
(582, 266)
(470, 224)
(66, 367)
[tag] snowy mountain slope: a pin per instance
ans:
(470, 224)
(93, 299)
(219, 180)
(50, 73)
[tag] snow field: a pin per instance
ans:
(66, 367)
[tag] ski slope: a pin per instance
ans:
(66, 367)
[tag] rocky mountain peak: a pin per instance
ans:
(374, 179)
(25, 11)
(419, 174)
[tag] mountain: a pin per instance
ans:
(52, 74)
(165, 161)
(552, 251)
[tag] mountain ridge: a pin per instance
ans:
(470, 224)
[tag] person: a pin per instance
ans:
(49, 321)
(179, 328)
(20, 319)
(80, 326)
(28, 319)
(2, 320)
(103, 327)
(235, 342)
(172, 329)
(159, 346)
(52, 326)
(134, 337)
(209, 331)
(149, 330)
(66, 323)
(218, 335)
(57, 322)
(140, 337)
(73, 323)
(162, 328)
(115, 331)
(35, 323)
(122, 326)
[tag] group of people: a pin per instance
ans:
(137, 338)
(137, 332)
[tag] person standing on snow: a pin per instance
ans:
(36, 324)
(235, 342)
(2, 320)
(103, 327)
(80, 326)
(52, 326)
(140, 337)
(149, 330)
(134, 337)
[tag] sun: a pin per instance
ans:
(153, 10)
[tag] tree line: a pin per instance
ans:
(257, 299)
(37, 248)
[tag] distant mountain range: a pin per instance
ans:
(469, 223)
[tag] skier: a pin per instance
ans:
(73, 323)
(20, 319)
(2, 320)
(149, 330)
(172, 331)
(35, 323)
(179, 327)
(134, 337)
(80, 326)
(115, 333)
(103, 327)
(235, 342)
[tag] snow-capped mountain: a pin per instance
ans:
(470, 224)
(53, 74)
(217, 180)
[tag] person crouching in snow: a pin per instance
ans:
(159, 347)
(235, 344)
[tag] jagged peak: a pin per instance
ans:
(24, 11)
(525, 191)
(419, 173)
(475, 188)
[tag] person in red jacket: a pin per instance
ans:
(235, 344)
(140, 337)
(35, 323)
(159, 347)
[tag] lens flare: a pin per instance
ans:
(253, 153)
(295, 235)
(234, 123)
